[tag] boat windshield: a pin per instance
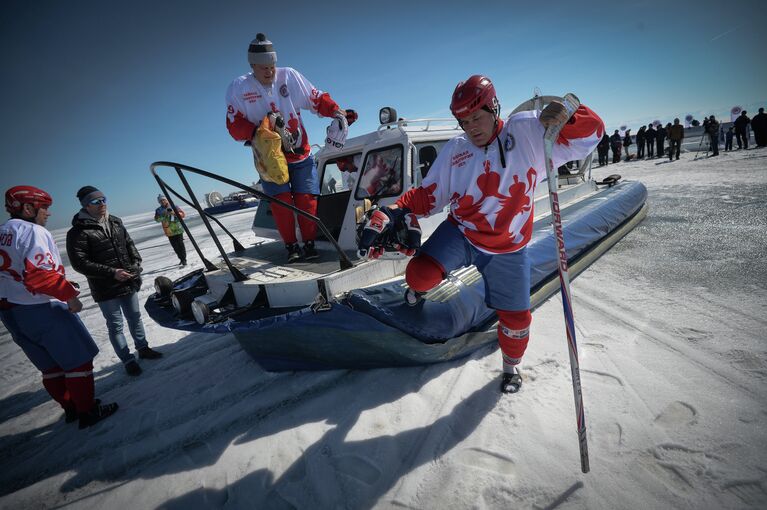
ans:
(382, 174)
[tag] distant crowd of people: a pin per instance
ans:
(651, 139)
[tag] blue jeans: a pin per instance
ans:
(113, 310)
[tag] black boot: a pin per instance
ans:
(133, 368)
(310, 252)
(97, 413)
(294, 252)
(511, 382)
(149, 353)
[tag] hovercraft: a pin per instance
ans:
(219, 203)
(342, 312)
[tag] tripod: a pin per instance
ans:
(700, 144)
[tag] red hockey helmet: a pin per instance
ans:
(17, 196)
(473, 94)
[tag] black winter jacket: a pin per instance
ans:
(98, 256)
(759, 121)
(741, 123)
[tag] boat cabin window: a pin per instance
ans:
(382, 174)
(340, 174)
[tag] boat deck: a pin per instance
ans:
(272, 254)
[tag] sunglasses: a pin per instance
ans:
(98, 201)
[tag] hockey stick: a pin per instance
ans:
(549, 139)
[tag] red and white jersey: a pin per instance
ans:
(248, 101)
(31, 271)
(492, 205)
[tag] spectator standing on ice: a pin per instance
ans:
(603, 149)
(759, 126)
(713, 134)
(284, 92)
(169, 218)
(741, 135)
(675, 137)
(39, 307)
(99, 247)
(649, 140)
(640, 137)
(660, 139)
(615, 146)
(627, 144)
(728, 139)
(487, 177)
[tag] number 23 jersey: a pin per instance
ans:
(31, 271)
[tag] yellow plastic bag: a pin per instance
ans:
(268, 156)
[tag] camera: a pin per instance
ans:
(170, 210)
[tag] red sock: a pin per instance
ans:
(423, 273)
(308, 203)
(284, 218)
(513, 335)
(55, 385)
(79, 382)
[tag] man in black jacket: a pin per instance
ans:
(100, 248)
(740, 130)
(615, 146)
(640, 136)
(660, 140)
(649, 140)
(603, 148)
(712, 128)
(759, 125)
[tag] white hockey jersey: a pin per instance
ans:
(31, 271)
(490, 204)
(248, 101)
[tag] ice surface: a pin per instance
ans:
(671, 328)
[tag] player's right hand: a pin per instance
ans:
(74, 304)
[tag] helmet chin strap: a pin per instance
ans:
(496, 132)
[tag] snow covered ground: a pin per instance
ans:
(671, 326)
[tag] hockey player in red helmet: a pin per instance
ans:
(487, 176)
(35, 294)
(37, 199)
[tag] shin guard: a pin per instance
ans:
(79, 383)
(55, 384)
(306, 202)
(513, 335)
(284, 218)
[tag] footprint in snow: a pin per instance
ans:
(676, 414)
(604, 377)
(680, 468)
(487, 460)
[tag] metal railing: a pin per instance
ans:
(180, 168)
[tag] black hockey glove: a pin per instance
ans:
(385, 229)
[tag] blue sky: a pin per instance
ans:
(93, 92)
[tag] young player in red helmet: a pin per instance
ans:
(488, 176)
(39, 307)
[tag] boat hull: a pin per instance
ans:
(373, 327)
